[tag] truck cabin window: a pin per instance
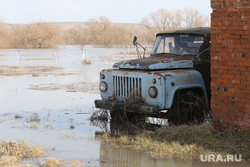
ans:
(178, 44)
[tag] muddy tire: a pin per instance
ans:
(189, 108)
(172, 114)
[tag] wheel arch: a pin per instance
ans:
(198, 90)
(183, 80)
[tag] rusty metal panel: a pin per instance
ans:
(156, 63)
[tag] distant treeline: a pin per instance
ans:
(99, 31)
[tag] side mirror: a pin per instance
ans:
(135, 40)
(135, 43)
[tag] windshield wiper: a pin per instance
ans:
(202, 53)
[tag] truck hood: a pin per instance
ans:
(155, 63)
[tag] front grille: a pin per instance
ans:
(127, 86)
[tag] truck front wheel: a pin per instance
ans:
(189, 107)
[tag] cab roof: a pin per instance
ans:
(196, 30)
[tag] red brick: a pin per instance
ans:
(222, 80)
(234, 90)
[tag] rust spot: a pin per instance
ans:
(155, 59)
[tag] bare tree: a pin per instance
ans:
(99, 28)
(36, 35)
(164, 19)
(176, 18)
(101, 31)
(192, 18)
(161, 20)
(1, 26)
(42, 35)
(80, 37)
(4, 34)
(18, 39)
(157, 20)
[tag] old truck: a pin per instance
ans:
(173, 83)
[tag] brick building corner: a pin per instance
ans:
(230, 63)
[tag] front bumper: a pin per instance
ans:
(131, 107)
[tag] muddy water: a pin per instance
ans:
(58, 102)
(52, 108)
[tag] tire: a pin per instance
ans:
(172, 114)
(189, 108)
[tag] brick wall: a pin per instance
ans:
(230, 63)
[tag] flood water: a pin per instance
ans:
(60, 103)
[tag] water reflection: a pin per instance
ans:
(112, 157)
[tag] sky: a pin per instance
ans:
(118, 11)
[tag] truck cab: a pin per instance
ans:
(173, 83)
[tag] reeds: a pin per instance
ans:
(12, 152)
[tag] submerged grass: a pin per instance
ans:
(34, 126)
(51, 162)
(13, 153)
(185, 142)
(25, 70)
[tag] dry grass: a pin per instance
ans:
(151, 147)
(3, 120)
(206, 138)
(51, 162)
(185, 142)
(18, 116)
(12, 152)
(73, 87)
(49, 127)
(26, 70)
(34, 126)
(47, 88)
(87, 61)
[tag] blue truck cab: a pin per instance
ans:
(173, 83)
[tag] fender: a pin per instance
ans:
(182, 79)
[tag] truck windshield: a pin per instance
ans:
(178, 44)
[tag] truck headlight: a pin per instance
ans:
(103, 86)
(152, 91)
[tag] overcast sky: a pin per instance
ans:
(120, 11)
